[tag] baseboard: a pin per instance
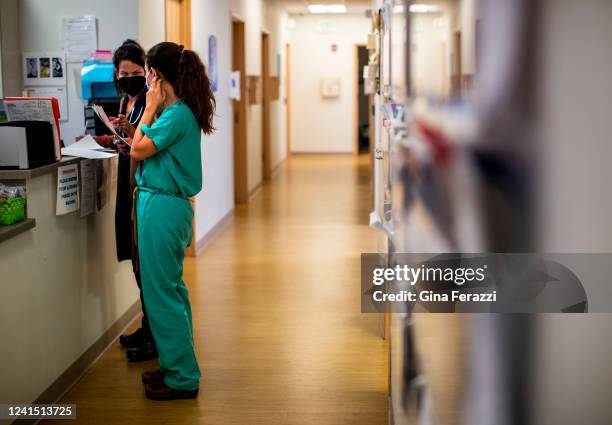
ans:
(214, 232)
(276, 169)
(254, 191)
(80, 366)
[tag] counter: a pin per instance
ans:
(63, 295)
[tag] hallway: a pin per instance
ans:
(277, 323)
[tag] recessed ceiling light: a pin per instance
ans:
(424, 8)
(326, 8)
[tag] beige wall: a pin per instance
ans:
(276, 24)
(61, 289)
(152, 22)
(324, 125)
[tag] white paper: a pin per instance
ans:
(88, 187)
(74, 150)
(79, 36)
(58, 92)
(44, 68)
(67, 199)
(33, 110)
(234, 91)
(102, 115)
(88, 142)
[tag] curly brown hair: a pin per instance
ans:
(184, 70)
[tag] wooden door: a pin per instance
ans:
(241, 193)
(265, 115)
(288, 95)
(178, 22)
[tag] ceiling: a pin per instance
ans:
(297, 7)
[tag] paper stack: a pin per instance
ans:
(88, 148)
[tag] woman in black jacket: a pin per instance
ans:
(129, 61)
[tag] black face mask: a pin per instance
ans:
(132, 85)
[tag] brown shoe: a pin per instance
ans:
(153, 377)
(160, 391)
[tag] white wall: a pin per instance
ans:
(40, 24)
(430, 53)
(152, 22)
(210, 17)
(324, 125)
(276, 24)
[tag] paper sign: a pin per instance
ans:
(57, 92)
(79, 36)
(67, 200)
(44, 68)
(234, 91)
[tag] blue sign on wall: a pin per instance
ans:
(212, 63)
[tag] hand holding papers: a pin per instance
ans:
(104, 118)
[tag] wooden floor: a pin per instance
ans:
(277, 323)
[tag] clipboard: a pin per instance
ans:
(104, 118)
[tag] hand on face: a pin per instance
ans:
(156, 95)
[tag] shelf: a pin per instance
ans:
(7, 232)
(35, 172)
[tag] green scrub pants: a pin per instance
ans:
(164, 231)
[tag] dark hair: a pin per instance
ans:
(130, 50)
(184, 70)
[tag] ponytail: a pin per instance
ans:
(193, 86)
(184, 70)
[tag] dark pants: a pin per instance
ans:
(146, 328)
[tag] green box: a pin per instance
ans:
(12, 210)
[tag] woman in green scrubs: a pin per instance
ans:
(169, 173)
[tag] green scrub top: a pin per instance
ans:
(177, 166)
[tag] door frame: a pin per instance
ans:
(356, 99)
(265, 106)
(185, 22)
(239, 112)
(185, 39)
(288, 96)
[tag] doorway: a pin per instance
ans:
(288, 96)
(241, 194)
(265, 113)
(178, 22)
(362, 103)
(456, 65)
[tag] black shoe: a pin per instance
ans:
(160, 391)
(153, 377)
(133, 340)
(146, 351)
